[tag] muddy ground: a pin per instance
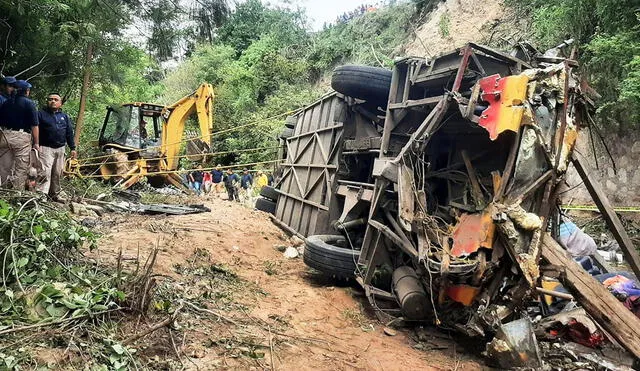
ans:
(243, 305)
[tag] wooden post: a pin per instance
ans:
(605, 309)
(610, 217)
(83, 93)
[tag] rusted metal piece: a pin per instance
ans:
(465, 52)
(472, 232)
(406, 197)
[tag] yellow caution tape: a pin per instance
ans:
(623, 209)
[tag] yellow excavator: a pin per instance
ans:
(145, 139)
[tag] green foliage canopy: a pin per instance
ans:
(608, 35)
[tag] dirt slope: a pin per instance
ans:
(455, 22)
(309, 322)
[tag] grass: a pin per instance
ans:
(271, 268)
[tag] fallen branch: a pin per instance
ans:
(169, 320)
(56, 322)
(209, 311)
(273, 367)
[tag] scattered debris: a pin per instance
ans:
(515, 345)
(574, 325)
(136, 207)
(291, 252)
(389, 331)
(296, 241)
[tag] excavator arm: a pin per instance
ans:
(176, 115)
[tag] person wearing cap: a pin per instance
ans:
(261, 180)
(6, 88)
(19, 133)
(231, 180)
(246, 183)
(216, 179)
(56, 132)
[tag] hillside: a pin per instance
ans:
(454, 22)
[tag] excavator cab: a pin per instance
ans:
(132, 126)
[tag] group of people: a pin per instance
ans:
(26, 132)
(238, 187)
(358, 11)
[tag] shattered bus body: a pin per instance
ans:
(444, 208)
(473, 147)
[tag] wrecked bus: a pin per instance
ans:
(435, 186)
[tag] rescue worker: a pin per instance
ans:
(7, 88)
(246, 183)
(196, 177)
(261, 180)
(216, 178)
(231, 184)
(56, 131)
(18, 134)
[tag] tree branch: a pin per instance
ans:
(32, 67)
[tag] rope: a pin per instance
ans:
(197, 137)
(187, 171)
(180, 156)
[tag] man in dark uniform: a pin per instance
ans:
(246, 183)
(231, 181)
(6, 88)
(18, 134)
(56, 131)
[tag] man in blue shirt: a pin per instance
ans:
(18, 134)
(216, 179)
(6, 88)
(246, 182)
(56, 131)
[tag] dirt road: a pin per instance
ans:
(250, 307)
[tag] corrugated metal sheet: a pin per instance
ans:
(310, 166)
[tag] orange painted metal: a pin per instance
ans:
(472, 232)
(506, 97)
(463, 294)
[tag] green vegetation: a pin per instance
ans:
(262, 60)
(46, 283)
(607, 33)
(264, 63)
(444, 25)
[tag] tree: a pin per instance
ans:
(607, 33)
(209, 16)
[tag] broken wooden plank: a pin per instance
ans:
(605, 309)
(610, 217)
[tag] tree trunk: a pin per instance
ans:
(83, 93)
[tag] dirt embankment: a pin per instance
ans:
(271, 312)
(455, 22)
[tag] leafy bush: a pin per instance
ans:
(41, 279)
(607, 33)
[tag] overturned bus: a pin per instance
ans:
(436, 184)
